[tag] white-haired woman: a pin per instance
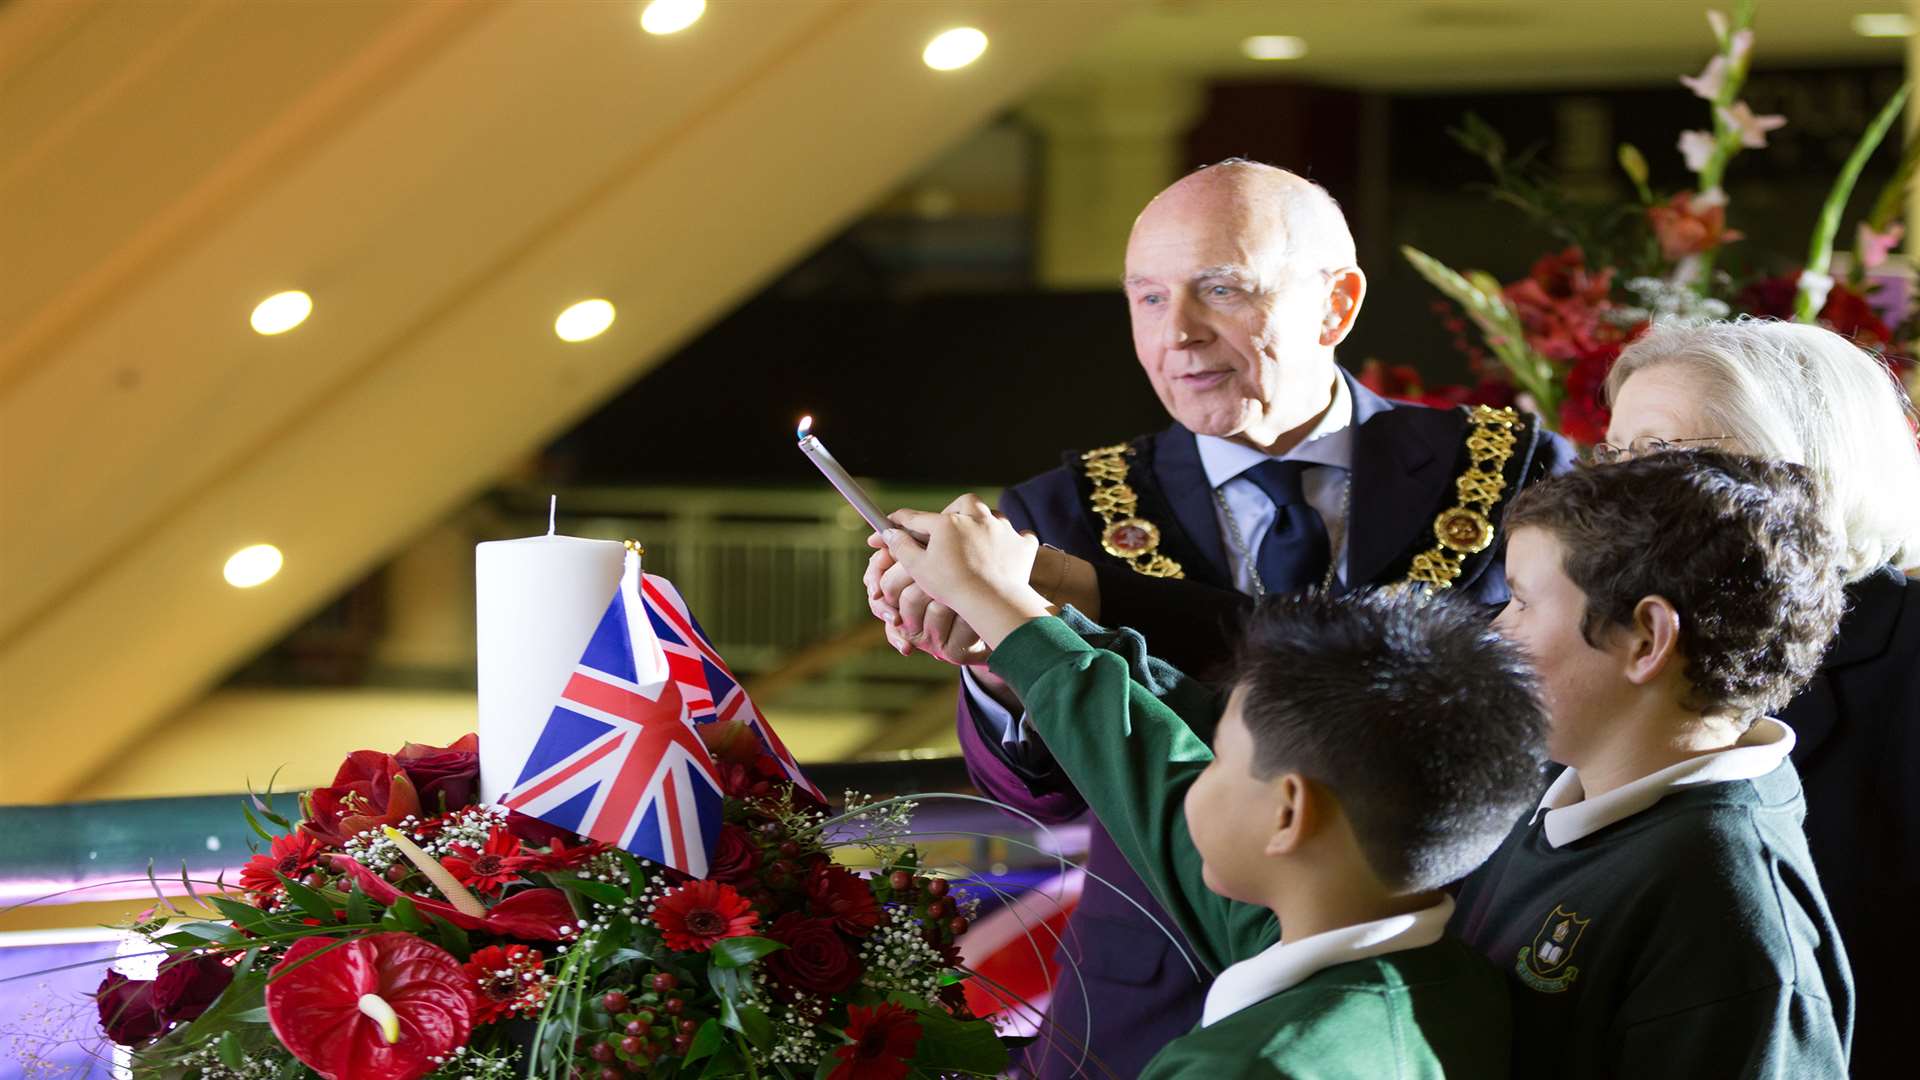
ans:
(1803, 394)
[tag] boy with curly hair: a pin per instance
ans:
(1658, 914)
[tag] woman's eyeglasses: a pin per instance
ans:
(1607, 453)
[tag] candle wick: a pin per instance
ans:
(553, 510)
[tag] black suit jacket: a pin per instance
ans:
(1857, 726)
(1405, 458)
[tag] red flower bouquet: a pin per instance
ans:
(1556, 332)
(400, 930)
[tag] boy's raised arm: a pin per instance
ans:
(1133, 757)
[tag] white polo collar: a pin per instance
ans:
(1224, 459)
(1287, 965)
(1571, 816)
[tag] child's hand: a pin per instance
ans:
(974, 562)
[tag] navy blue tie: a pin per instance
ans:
(1295, 553)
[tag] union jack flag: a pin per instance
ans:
(619, 759)
(710, 689)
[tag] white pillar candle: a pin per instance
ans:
(537, 603)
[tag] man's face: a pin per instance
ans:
(1228, 330)
(1582, 684)
(1231, 813)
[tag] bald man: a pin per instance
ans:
(1279, 473)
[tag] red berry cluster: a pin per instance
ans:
(930, 900)
(645, 1026)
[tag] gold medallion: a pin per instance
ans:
(1465, 531)
(1130, 538)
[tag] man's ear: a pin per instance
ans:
(1346, 289)
(1653, 641)
(1296, 813)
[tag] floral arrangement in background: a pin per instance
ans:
(1550, 338)
(400, 929)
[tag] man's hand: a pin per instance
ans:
(974, 563)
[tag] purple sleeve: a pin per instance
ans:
(1043, 791)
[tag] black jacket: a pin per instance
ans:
(1858, 752)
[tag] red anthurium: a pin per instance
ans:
(534, 914)
(884, 1038)
(380, 1007)
(291, 855)
(695, 915)
(488, 869)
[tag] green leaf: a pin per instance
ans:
(254, 823)
(603, 891)
(1820, 251)
(245, 915)
(708, 1040)
(308, 900)
(206, 931)
(403, 915)
(949, 1045)
(359, 910)
(740, 951)
(452, 938)
(229, 1050)
(756, 1026)
(256, 1015)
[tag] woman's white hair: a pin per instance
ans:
(1804, 394)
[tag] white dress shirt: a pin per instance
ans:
(1570, 815)
(1286, 965)
(1328, 450)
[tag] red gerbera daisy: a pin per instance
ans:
(486, 870)
(290, 855)
(883, 1040)
(508, 981)
(695, 915)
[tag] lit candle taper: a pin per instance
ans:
(855, 495)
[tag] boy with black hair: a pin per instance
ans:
(1371, 750)
(1658, 914)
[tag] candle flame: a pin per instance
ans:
(806, 425)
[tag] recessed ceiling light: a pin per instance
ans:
(671, 16)
(955, 49)
(1884, 24)
(252, 566)
(281, 312)
(586, 319)
(1274, 47)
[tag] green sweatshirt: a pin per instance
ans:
(1689, 939)
(1122, 728)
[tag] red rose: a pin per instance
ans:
(846, 898)
(815, 960)
(370, 790)
(446, 777)
(536, 832)
(731, 741)
(187, 985)
(126, 1008)
(735, 855)
(884, 1038)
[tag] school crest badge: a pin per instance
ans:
(1546, 965)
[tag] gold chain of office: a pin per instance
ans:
(1462, 529)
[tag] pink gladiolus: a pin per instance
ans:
(1873, 247)
(1753, 129)
(1697, 147)
(1708, 83)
